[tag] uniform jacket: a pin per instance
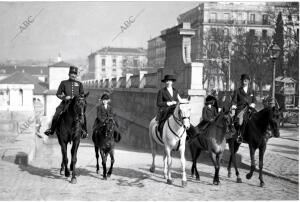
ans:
(164, 96)
(103, 114)
(69, 88)
(209, 114)
(241, 98)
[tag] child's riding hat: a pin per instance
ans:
(244, 77)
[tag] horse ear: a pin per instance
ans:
(189, 98)
(87, 94)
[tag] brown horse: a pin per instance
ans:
(104, 138)
(69, 131)
(256, 135)
(212, 140)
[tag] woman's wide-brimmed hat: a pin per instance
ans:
(210, 100)
(244, 77)
(169, 77)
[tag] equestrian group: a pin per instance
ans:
(233, 119)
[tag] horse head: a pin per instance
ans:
(274, 117)
(79, 106)
(182, 112)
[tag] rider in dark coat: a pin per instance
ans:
(167, 99)
(66, 91)
(209, 113)
(243, 99)
(104, 111)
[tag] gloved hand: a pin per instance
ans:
(170, 103)
(252, 105)
(67, 97)
(233, 107)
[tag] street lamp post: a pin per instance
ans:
(275, 52)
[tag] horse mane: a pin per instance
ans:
(261, 118)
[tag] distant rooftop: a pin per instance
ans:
(24, 78)
(61, 64)
(285, 79)
(128, 51)
(32, 70)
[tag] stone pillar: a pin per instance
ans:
(178, 61)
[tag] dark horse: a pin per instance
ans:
(104, 138)
(212, 140)
(256, 136)
(70, 131)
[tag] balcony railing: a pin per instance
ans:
(239, 22)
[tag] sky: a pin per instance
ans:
(75, 29)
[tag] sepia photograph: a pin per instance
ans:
(149, 100)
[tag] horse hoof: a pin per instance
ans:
(108, 175)
(104, 178)
(73, 180)
(198, 178)
(262, 184)
(184, 183)
(61, 172)
(67, 174)
(152, 170)
(216, 183)
(169, 181)
(97, 171)
(248, 176)
(229, 175)
(238, 180)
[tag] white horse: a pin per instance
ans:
(173, 138)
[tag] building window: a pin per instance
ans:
(125, 62)
(226, 32)
(103, 62)
(114, 61)
(103, 69)
(114, 69)
(252, 18)
(135, 62)
(213, 17)
(226, 17)
(252, 32)
(265, 19)
(264, 33)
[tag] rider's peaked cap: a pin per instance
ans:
(169, 77)
(73, 70)
(245, 76)
(105, 97)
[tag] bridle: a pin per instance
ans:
(179, 121)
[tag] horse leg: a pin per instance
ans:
(198, 152)
(97, 158)
(104, 158)
(152, 146)
(233, 146)
(62, 167)
(261, 163)
(230, 145)
(214, 160)
(169, 160)
(112, 161)
(252, 168)
(165, 166)
(182, 159)
(65, 158)
(74, 159)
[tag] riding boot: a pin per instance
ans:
(84, 129)
(240, 137)
(55, 121)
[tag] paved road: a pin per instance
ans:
(131, 180)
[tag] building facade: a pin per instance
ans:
(156, 52)
(112, 62)
(40, 72)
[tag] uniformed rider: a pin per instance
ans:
(66, 91)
